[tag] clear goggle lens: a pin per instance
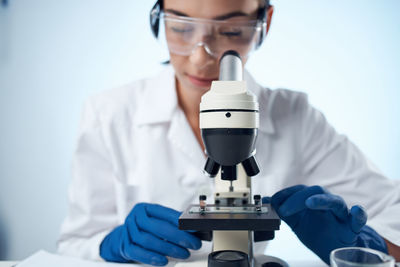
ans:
(183, 35)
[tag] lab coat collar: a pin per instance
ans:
(160, 100)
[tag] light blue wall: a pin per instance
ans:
(54, 54)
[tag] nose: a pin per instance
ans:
(200, 57)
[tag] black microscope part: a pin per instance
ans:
(230, 52)
(230, 146)
(211, 167)
(260, 236)
(203, 235)
(250, 166)
(228, 258)
(229, 173)
(265, 222)
(271, 264)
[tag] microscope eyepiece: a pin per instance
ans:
(230, 67)
(230, 52)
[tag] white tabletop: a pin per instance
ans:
(44, 259)
(8, 263)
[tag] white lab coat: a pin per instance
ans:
(135, 145)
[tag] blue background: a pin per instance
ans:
(54, 54)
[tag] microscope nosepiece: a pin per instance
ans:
(250, 166)
(211, 168)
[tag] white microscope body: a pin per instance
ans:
(229, 105)
(229, 120)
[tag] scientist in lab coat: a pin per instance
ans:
(139, 155)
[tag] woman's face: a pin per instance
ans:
(197, 70)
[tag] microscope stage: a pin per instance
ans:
(229, 218)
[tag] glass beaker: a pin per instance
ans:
(360, 257)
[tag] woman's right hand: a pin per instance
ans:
(149, 234)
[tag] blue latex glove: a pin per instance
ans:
(322, 221)
(149, 234)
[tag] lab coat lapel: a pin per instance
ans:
(160, 105)
(183, 138)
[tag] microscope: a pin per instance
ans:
(229, 120)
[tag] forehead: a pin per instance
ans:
(211, 8)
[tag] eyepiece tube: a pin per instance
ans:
(230, 67)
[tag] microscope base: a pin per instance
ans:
(269, 261)
(259, 261)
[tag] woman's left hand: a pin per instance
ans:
(322, 221)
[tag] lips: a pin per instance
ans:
(200, 81)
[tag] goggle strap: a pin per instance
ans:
(155, 17)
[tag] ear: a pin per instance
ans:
(270, 12)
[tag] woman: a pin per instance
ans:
(139, 155)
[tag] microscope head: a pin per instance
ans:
(229, 120)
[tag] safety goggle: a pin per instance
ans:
(183, 35)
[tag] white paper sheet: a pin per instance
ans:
(45, 259)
